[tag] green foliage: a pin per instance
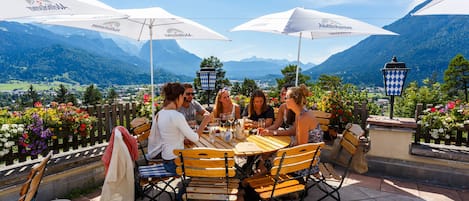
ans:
(429, 93)
(442, 121)
(289, 76)
(92, 96)
(111, 96)
(248, 87)
(32, 97)
(456, 77)
(64, 96)
(236, 88)
(339, 100)
(221, 81)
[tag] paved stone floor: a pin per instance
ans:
(361, 187)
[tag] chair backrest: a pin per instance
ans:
(289, 160)
(141, 131)
(323, 118)
(205, 162)
(29, 189)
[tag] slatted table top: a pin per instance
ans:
(252, 145)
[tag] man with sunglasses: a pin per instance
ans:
(191, 107)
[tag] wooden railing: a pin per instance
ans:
(460, 139)
(108, 116)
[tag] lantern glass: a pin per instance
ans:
(394, 80)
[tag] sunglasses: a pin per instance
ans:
(189, 94)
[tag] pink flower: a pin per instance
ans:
(146, 98)
(451, 105)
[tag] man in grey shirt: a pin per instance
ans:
(191, 107)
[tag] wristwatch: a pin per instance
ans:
(275, 132)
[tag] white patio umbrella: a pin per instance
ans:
(445, 7)
(312, 24)
(13, 9)
(146, 24)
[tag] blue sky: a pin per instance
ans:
(223, 15)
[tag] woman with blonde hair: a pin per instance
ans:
(224, 105)
(307, 126)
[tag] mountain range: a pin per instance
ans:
(37, 53)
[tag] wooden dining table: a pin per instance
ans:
(251, 148)
(251, 145)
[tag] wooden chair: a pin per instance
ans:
(150, 175)
(30, 187)
(290, 167)
(331, 180)
(323, 118)
(141, 132)
(211, 173)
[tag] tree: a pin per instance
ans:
(248, 87)
(289, 76)
(456, 77)
(329, 82)
(112, 96)
(236, 89)
(62, 93)
(429, 93)
(32, 97)
(71, 98)
(220, 83)
(92, 96)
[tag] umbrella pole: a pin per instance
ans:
(151, 73)
(298, 61)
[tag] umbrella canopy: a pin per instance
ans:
(306, 23)
(445, 7)
(12, 9)
(145, 24)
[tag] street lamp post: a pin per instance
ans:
(394, 75)
(208, 78)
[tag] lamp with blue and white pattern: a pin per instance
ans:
(394, 75)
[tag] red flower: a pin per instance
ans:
(433, 109)
(146, 98)
(82, 127)
(38, 104)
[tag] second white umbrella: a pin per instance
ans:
(445, 7)
(312, 24)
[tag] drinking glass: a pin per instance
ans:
(260, 125)
(230, 118)
(223, 118)
(212, 134)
